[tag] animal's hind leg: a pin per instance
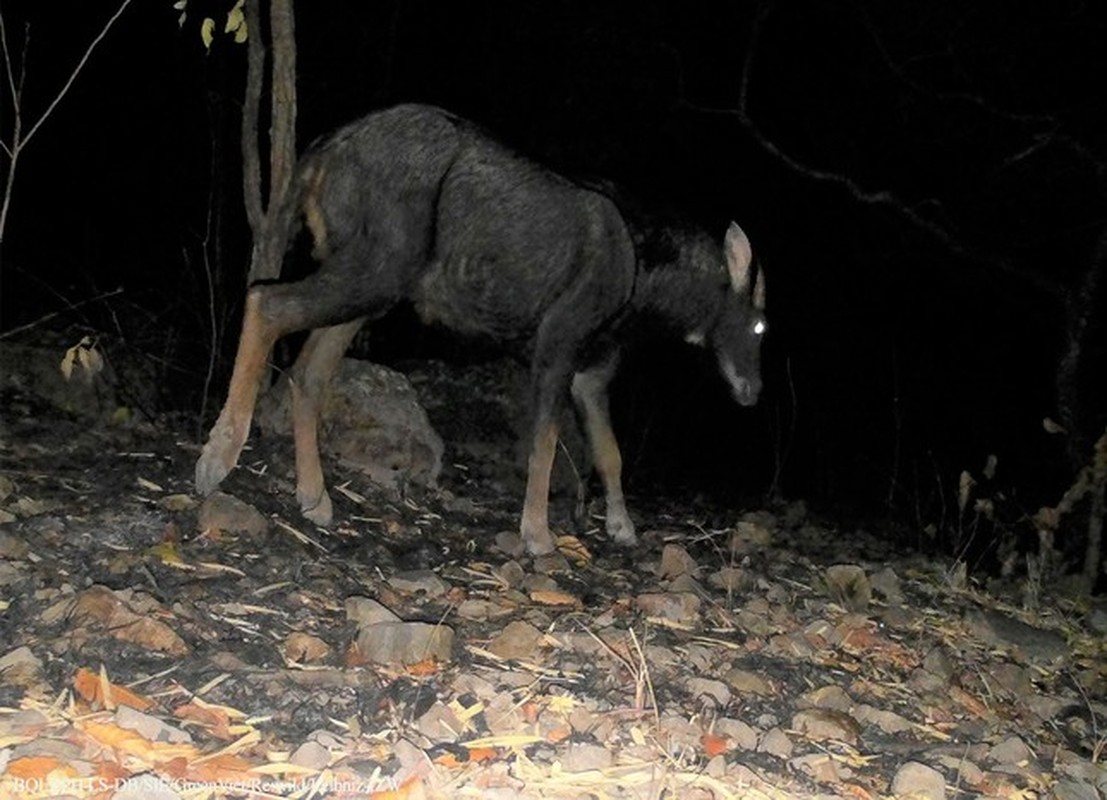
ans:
(313, 370)
(229, 433)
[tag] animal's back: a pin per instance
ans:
(498, 237)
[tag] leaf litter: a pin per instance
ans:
(757, 654)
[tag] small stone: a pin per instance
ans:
(1071, 790)
(511, 573)
(367, 611)
(919, 782)
(715, 691)
(820, 767)
(743, 734)
(679, 734)
(849, 586)
(831, 697)
(745, 682)
(303, 648)
(887, 721)
(887, 584)
(824, 724)
(776, 743)
(1012, 751)
(311, 755)
(519, 640)
(405, 642)
(440, 724)
(585, 757)
(939, 664)
(682, 608)
(750, 536)
(150, 727)
(676, 561)
(223, 512)
(510, 542)
(731, 579)
(20, 667)
(419, 581)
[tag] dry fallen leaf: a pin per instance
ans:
(573, 549)
(91, 688)
(714, 745)
(38, 768)
(215, 719)
(420, 669)
(554, 598)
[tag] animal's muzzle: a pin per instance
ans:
(745, 390)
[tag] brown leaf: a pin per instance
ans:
(213, 718)
(37, 768)
(152, 634)
(421, 669)
(90, 687)
(714, 745)
(574, 549)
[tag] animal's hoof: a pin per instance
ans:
(210, 472)
(539, 543)
(621, 530)
(321, 512)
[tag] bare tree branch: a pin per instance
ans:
(282, 157)
(251, 159)
(264, 212)
(18, 140)
(76, 71)
(882, 198)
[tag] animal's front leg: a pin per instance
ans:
(535, 525)
(229, 433)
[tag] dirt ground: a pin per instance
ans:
(155, 645)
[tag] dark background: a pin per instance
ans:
(923, 184)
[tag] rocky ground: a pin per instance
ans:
(155, 646)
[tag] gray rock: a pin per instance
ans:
(405, 642)
(226, 513)
(849, 586)
(370, 419)
(919, 782)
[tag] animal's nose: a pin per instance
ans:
(746, 390)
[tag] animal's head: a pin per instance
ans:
(736, 331)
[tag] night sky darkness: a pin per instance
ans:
(923, 184)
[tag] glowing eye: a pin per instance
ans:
(759, 327)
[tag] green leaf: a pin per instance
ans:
(235, 20)
(206, 35)
(241, 33)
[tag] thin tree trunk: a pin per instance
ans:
(1081, 307)
(264, 213)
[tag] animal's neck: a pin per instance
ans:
(674, 297)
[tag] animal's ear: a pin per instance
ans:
(739, 256)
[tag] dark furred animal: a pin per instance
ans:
(413, 203)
